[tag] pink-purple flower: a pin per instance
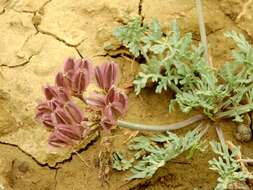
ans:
(112, 105)
(58, 112)
(106, 75)
(61, 115)
(76, 76)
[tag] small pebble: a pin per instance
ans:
(23, 167)
(243, 133)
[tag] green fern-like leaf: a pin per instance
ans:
(226, 166)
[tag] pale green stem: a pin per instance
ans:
(170, 127)
(236, 110)
(220, 134)
(202, 28)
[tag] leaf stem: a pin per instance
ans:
(170, 127)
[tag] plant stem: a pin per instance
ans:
(235, 110)
(174, 126)
(202, 28)
(220, 134)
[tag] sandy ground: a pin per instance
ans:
(36, 37)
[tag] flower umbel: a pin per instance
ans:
(59, 113)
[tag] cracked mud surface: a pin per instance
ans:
(35, 38)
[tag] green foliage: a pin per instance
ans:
(120, 163)
(131, 35)
(173, 62)
(154, 152)
(227, 166)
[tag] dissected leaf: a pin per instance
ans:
(227, 166)
(174, 63)
(157, 154)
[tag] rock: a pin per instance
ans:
(23, 167)
(243, 133)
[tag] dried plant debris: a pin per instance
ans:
(228, 166)
(151, 153)
(173, 62)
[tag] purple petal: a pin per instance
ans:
(96, 100)
(42, 109)
(57, 139)
(80, 82)
(61, 80)
(108, 122)
(84, 64)
(123, 101)
(111, 74)
(118, 109)
(99, 77)
(69, 65)
(60, 117)
(46, 119)
(118, 102)
(59, 93)
(50, 92)
(111, 95)
(74, 132)
(74, 112)
(55, 103)
(62, 95)
(106, 75)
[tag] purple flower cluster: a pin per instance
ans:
(58, 112)
(113, 103)
(76, 76)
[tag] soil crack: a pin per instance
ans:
(214, 31)
(79, 53)
(29, 155)
(55, 178)
(58, 38)
(140, 8)
(21, 64)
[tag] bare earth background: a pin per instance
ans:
(35, 38)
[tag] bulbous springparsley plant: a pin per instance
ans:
(64, 118)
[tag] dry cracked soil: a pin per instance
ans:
(36, 37)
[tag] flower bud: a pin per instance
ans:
(58, 139)
(106, 75)
(96, 100)
(69, 65)
(80, 82)
(46, 119)
(74, 112)
(60, 117)
(74, 132)
(62, 81)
